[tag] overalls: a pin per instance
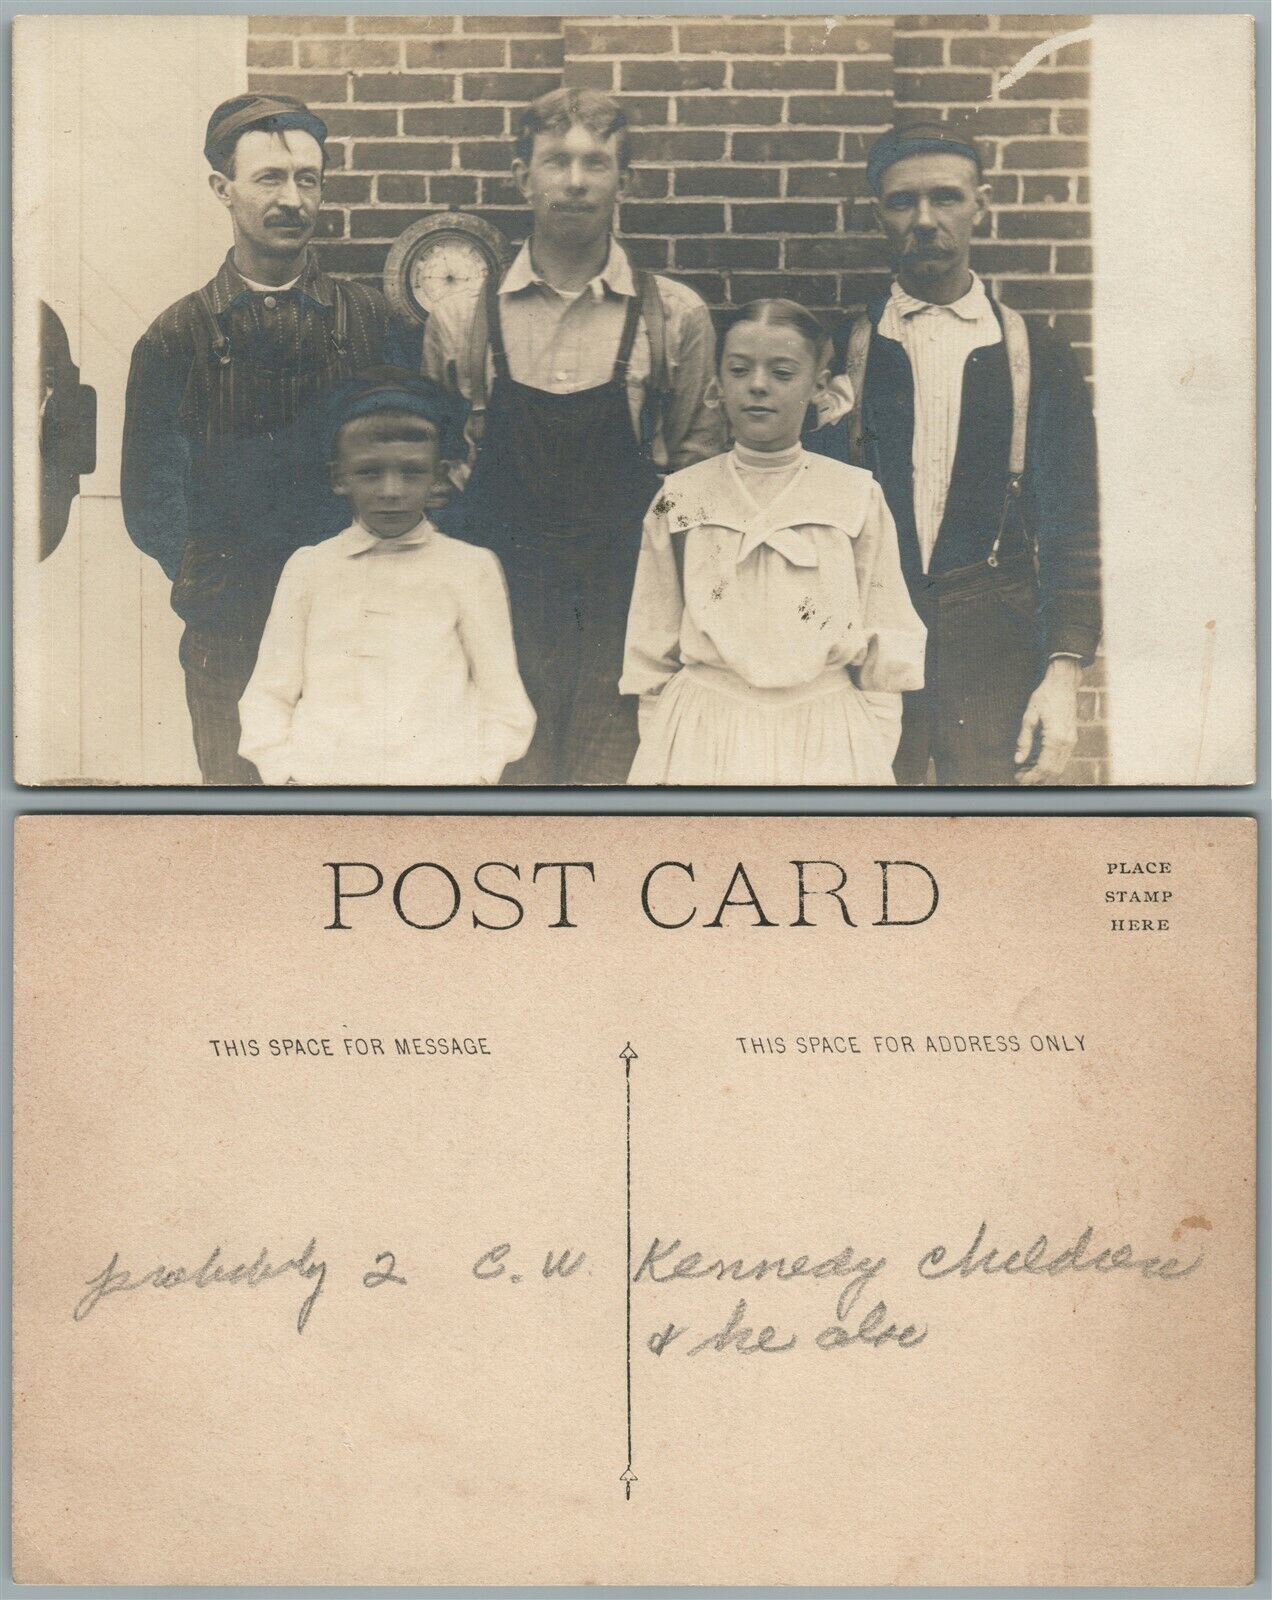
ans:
(258, 476)
(559, 490)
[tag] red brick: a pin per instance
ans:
(514, 26)
(1040, 85)
(652, 254)
(348, 52)
(454, 122)
(855, 110)
(991, 51)
(313, 88)
(730, 110)
(536, 53)
(785, 146)
(1004, 189)
(783, 217)
(379, 222)
(1053, 186)
(949, 23)
(919, 52)
(649, 183)
(285, 24)
(808, 289)
(340, 189)
(270, 52)
(1075, 327)
(1051, 224)
(760, 182)
(331, 224)
(646, 110)
(866, 77)
(406, 155)
(444, 188)
(707, 284)
(857, 289)
(1073, 120)
(1074, 258)
(404, 88)
(671, 76)
(784, 74)
(448, 54)
(1011, 257)
(672, 218)
(590, 74)
(1045, 155)
(485, 155)
(1000, 119)
(730, 38)
(1046, 26)
(416, 24)
(1050, 294)
(817, 181)
(836, 252)
(674, 147)
(407, 188)
(600, 37)
(500, 191)
(849, 36)
(1082, 194)
(716, 254)
(361, 123)
(955, 88)
(367, 259)
(520, 87)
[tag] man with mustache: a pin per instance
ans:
(223, 475)
(981, 433)
(587, 380)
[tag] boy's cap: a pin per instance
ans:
(915, 139)
(244, 111)
(394, 389)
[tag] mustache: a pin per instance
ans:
(285, 219)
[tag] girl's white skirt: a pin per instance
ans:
(711, 727)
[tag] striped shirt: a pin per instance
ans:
(938, 341)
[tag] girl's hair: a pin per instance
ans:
(781, 314)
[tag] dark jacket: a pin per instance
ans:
(226, 454)
(1059, 505)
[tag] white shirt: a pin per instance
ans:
(938, 341)
(777, 592)
(387, 661)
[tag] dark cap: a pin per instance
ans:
(244, 111)
(917, 139)
(380, 389)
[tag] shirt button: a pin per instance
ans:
(270, 301)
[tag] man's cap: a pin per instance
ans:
(381, 389)
(245, 111)
(916, 139)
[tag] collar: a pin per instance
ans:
(230, 285)
(356, 541)
(974, 306)
(821, 494)
(615, 275)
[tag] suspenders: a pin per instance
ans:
(220, 344)
(1016, 339)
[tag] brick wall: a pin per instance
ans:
(749, 149)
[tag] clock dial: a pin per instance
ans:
(447, 265)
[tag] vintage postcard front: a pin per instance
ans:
(634, 1201)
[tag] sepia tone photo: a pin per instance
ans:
(755, 400)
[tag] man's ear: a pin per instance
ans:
(983, 191)
(338, 484)
(624, 182)
(220, 187)
(521, 176)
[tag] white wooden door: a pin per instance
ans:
(113, 220)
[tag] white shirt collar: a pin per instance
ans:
(974, 306)
(357, 541)
(269, 288)
(615, 275)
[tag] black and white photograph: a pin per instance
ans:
(750, 400)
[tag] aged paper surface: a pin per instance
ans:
(1121, 154)
(932, 1235)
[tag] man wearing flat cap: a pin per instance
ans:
(980, 430)
(223, 474)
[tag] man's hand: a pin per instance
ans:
(1051, 723)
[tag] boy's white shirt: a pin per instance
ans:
(387, 661)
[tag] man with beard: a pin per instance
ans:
(587, 380)
(222, 474)
(980, 431)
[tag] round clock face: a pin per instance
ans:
(448, 253)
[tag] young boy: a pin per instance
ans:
(388, 656)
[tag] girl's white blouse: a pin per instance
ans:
(776, 594)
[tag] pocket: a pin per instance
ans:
(202, 582)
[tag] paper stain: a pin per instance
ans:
(1040, 52)
(1191, 1222)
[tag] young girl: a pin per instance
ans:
(388, 656)
(770, 632)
